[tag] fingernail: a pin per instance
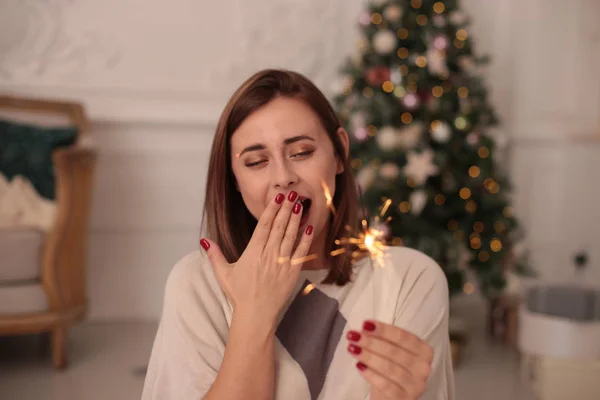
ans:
(309, 229)
(205, 244)
(369, 326)
(353, 335)
(279, 198)
(297, 208)
(292, 196)
(361, 366)
(354, 349)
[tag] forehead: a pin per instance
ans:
(275, 121)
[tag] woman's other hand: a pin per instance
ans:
(260, 282)
(395, 362)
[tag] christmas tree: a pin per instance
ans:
(415, 104)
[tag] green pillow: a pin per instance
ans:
(26, 150)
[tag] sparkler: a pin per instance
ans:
(369, 240)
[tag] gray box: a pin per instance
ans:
(572, 302)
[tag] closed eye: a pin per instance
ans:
(303, 154)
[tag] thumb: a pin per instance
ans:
(215, 255)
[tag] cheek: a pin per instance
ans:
(253, 198)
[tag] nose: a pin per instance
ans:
(284, 176)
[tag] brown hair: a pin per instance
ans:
(226, 219)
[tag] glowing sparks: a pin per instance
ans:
(309, 288)
(385, 207)
(370, 240)
(302, 260)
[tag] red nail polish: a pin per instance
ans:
(292, 196)
(279, 198)
(297, 208)
(205, 244)
(309, 229)
(353, 335)
(369, 326)
(354, 349)
(361, 366)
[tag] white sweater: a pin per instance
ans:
(312, 361)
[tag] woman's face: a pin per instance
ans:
(283, 147)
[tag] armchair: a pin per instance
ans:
(42, 272)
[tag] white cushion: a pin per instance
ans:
(20, 255)
(23, 299)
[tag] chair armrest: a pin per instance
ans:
(65, 249)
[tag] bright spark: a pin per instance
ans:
(301, 260)
(328, 197)
(369, 240)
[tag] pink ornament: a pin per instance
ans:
(440, 42)
(364, 19)
(411, 101)
(360, 134)
(473, 138)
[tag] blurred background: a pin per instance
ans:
(478, 120)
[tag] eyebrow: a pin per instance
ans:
(286, 141)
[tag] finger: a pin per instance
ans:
(214, 253)
(301, 253)
(417, 366)
(397, 380)
(400, 337)
(280, 222)
(291, 232)
(265, 222)
(380, 383)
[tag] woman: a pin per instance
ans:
(264, 310)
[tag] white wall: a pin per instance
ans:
(155, 84)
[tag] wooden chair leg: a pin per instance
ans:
(59, 339)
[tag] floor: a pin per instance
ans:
(107, 362)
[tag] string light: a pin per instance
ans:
(415, 3)
(437, 91)
(459, 44)
(463, 92)
(402, 33)
(496, 245)
(402, 52)
(406, 118)
(421, 61)
(499, 227)
(483, 256)
(387, 86)
(465, 193)
(461, 34)
(410, 182)
(376, 18)
(404, 207)
(478, 226)
(439, 199)
(474, 171)
(422, 19)
(439, 7)
(475, 243)
(468, 288)
(483, 152)
(471, 206)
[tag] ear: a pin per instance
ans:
(345, 140)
